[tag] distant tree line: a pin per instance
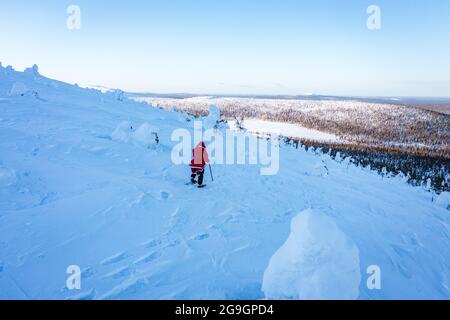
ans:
(376, 127)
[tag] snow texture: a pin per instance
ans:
(318, 261)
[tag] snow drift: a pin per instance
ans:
(145, 135)
(318, 261)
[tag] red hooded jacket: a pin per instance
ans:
(199, 157)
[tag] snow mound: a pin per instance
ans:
(18, 89)
(318, 261)
(119, 95)
(6, 70)
(443, 200)
(146, 135)
(321, 169)
(123, 132)
(33, 71)
(7, 177)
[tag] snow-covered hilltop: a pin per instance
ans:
(84, 182)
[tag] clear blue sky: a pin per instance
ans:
(230, 46)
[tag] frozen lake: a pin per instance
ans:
(257, 126)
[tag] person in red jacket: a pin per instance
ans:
(199, 160)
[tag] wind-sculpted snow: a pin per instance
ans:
(317, 261)
(145, 135)
(18, 89)
(213, 119)
(74, 193)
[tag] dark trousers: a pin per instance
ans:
(200, 176)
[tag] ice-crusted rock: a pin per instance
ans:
(6, 70)
(18, 89)
(119, 95)
(318, 261)
(123, 132)
(146, 135)
(33, 71)
(9, 69)
(443, 200)
(213, 121)
(321, 169)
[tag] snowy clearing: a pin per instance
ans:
(263, 127)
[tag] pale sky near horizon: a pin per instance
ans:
(231, 46)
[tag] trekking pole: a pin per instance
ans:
(210, 171)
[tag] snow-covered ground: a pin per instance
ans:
(82, 183)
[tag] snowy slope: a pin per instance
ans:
(70, 194)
